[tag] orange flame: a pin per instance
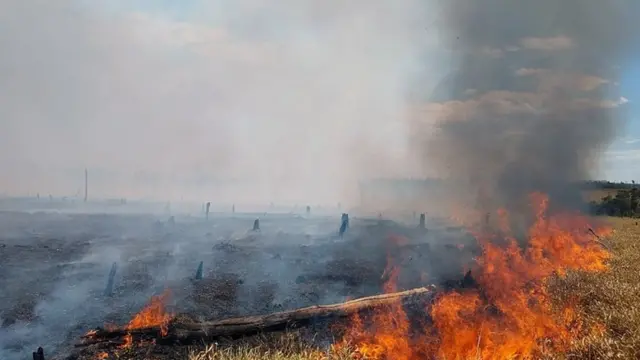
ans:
(153, 314)
(102, 356)
(128, 342)
(383, 338)
(509, 314)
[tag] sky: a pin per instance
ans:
(623, 157)
(228, 100)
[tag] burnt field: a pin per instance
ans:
(54, 268)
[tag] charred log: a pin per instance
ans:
(188, 333)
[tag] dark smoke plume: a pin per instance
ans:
(532, 103)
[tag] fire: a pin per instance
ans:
(128, 341)
(102, 356)
(153, 314)
(509, 315)
(387, 325)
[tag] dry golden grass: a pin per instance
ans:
(289, 346)
(610, 299)
(609, 303)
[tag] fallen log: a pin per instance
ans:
(187, 333)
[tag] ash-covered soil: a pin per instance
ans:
(54, 268)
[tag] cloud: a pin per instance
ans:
(560, 42)
(492, 52)
(549, 79)
(621, 165)
(623, 155)
(502, 103)
(610, 104)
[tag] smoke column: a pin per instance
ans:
(531, 102)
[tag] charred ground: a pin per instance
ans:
(55, 268)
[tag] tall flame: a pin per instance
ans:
(509, 315)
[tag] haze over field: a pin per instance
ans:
(295, 101)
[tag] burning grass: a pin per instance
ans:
(153, 314)
(608, 301)
(509, 314)
(602, 308)
(562, 297)
(555, 301)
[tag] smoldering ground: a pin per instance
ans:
(532, 101)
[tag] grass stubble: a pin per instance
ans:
(609, 302)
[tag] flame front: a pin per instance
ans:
(509, 315)
(382, 338)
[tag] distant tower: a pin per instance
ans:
(86, 185)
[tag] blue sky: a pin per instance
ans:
(624, 154)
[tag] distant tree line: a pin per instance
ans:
(625, 202)
(421, 182)
(606, 185)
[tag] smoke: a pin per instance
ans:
(233, 101)
(531, 103)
